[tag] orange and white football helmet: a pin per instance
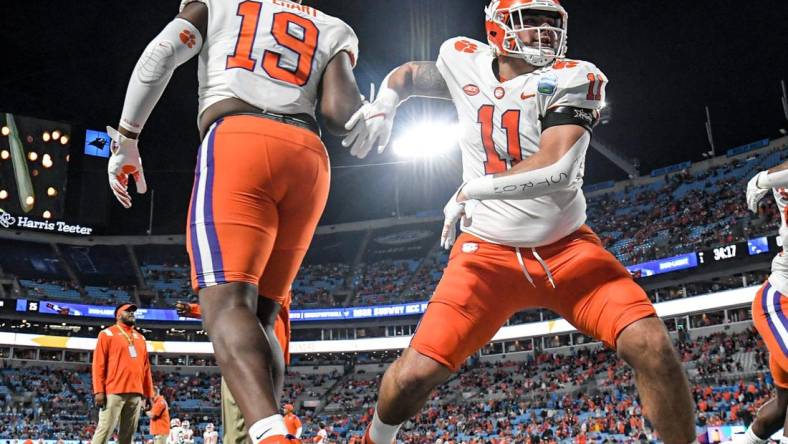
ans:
(506, 20)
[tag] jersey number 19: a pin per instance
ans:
(292, 31)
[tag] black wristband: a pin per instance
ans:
(570, 115)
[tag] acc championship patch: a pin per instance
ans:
(547, 84)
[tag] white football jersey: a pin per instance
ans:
(322, 437)
(210, 437)
(779, 276)
(176, 436)
(269, 53)
(188, 436)
(500, 125)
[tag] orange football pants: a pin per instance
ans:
(484, 284)
(769, 311)
(260, 187)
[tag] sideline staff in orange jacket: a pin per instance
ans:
(159, 415)
(121, 377)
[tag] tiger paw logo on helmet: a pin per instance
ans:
(466, 46)
(188, 38)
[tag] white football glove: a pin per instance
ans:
(452, 212)
(755, 193)
(371, 124)
(125, 161)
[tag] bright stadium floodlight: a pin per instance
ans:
(426, 139)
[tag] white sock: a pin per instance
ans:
(381, 433)
(751, 438)
(784, 440)
(271, 426)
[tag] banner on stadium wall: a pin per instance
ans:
(714, 301)
(63, 308)
(157, 314)
(659, 266)
(352, 313)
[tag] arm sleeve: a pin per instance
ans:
(178, 42)
(778, 179)
(534, 183)
(99, 367)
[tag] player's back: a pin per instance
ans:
(268, 53)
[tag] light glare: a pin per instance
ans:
(426, 140)
(46, 161)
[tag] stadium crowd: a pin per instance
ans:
(580, 393)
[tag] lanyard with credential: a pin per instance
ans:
(132, 350)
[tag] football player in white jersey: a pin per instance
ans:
(188, 433)
(322, 435)
(526, 115)
(262, 174)
(176, 432)
(769, 310)
(210, 435)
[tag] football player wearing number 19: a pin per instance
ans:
(769, 310)
(262, 173)
(526, 115)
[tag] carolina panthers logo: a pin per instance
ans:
(6, 220)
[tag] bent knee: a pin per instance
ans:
(415, 377)
(647, 347)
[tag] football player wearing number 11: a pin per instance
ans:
(527, 115)
(262, 174)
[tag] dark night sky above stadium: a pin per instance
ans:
(70, 61)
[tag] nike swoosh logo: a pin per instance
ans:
(526, 96)
(260, 436)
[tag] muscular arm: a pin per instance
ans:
(418, 79)
(340, 96)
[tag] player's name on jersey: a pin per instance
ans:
(303, 8)
(9, 221)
